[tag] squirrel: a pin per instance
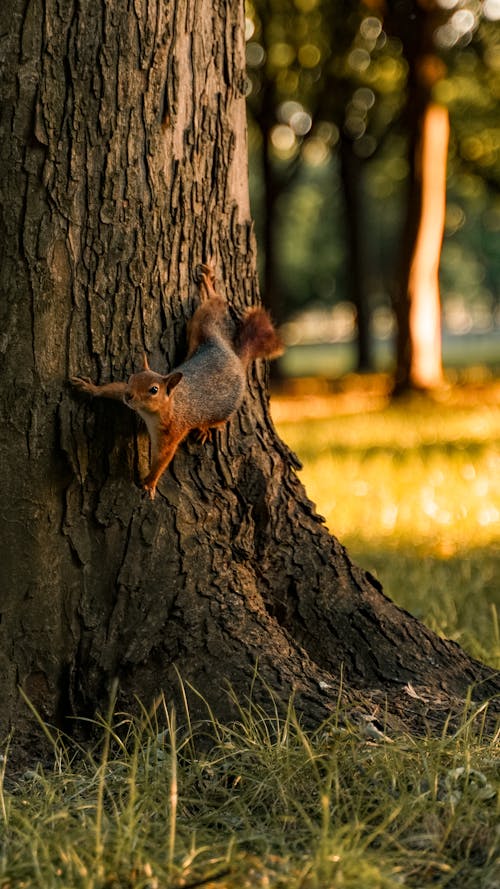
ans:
(207, 388)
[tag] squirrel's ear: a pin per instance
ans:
(145, 365)
(172, 381)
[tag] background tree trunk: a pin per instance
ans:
(419, 351)
(426, 371)
(418, 300)
(352, 176)
(123, 164)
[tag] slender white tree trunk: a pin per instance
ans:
(423, 285)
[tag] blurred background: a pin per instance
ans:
(374, 135)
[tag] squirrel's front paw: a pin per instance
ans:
(83, 384)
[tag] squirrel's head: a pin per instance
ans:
(150, 392)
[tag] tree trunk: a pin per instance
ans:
(419, 354)
(423, 284)
(123, 164)
(351, 172)
(418, 301)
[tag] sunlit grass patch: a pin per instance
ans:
(413, 491)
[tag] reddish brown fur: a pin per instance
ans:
(257, 338)
(207, 388)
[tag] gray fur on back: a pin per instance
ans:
(212, 384)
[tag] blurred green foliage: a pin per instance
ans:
(321, 69)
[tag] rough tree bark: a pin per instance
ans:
(123, 164)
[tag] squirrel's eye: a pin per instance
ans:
(153, 390)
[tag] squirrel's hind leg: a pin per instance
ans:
(204, 433)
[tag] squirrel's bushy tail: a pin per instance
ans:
(256, 337)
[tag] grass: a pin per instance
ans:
(267, 806)
(262, 804)
(413, 491)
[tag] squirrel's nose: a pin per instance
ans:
(127, 397)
